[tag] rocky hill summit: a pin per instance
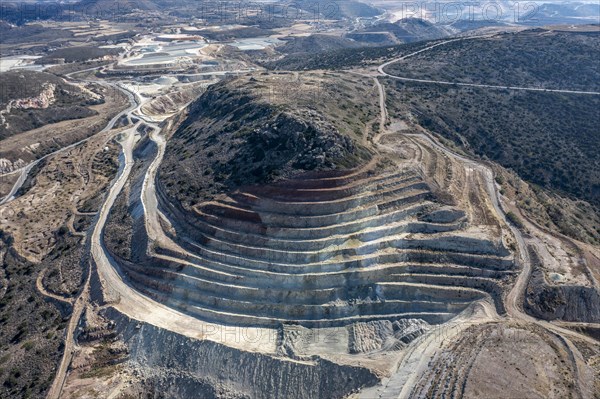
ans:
(250, 131)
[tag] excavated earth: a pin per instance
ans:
(327, 249)
(344, 268)
(393, 278)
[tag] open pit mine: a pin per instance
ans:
(313, 200)
(252, 245)
(327, 283)
(386, 269)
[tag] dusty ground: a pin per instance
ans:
(35, 143)
(61, 188)
(501, 360)
(97, 369)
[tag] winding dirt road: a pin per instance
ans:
(24, 171)
(381, 70)
(421, 351)
(131, 302)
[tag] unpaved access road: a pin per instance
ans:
(421, 351)
(381, 70)
(24, 171)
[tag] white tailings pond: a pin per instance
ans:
(20, 62)
(164, 53)
(256, 43)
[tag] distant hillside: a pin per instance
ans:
(20, 13)
(357, 48)
(316, 44)
(567, 12)
(237, 33)
(373, 38)
(354, 9)
(536, 58)
(411, 29)
(213, 11)
(31, 99)
(379, 35)
(77, 54)
(464, 25)
(11, 34)
(343, 58)
(550, 139)
(327, 9)
(403, 31)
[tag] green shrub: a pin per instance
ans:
(514, 219)
(28, 346)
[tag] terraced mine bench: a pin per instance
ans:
(323, 250)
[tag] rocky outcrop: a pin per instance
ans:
(31, 99)
(384, 334)
(562, 302)
(213, 370)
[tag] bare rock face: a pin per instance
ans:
(384, 334)
(568, 303)
(370, 336)
(565, 302)
(407, 330)
(213, 370)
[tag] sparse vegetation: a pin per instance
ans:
(30, 343)
(263, 129)
(343, 58)
(548, 138)
(55, 101)
(514, 219)
(532, 58)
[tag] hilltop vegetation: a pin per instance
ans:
(316, 43)
(263, 128)
(343, 58)
(537, 58)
